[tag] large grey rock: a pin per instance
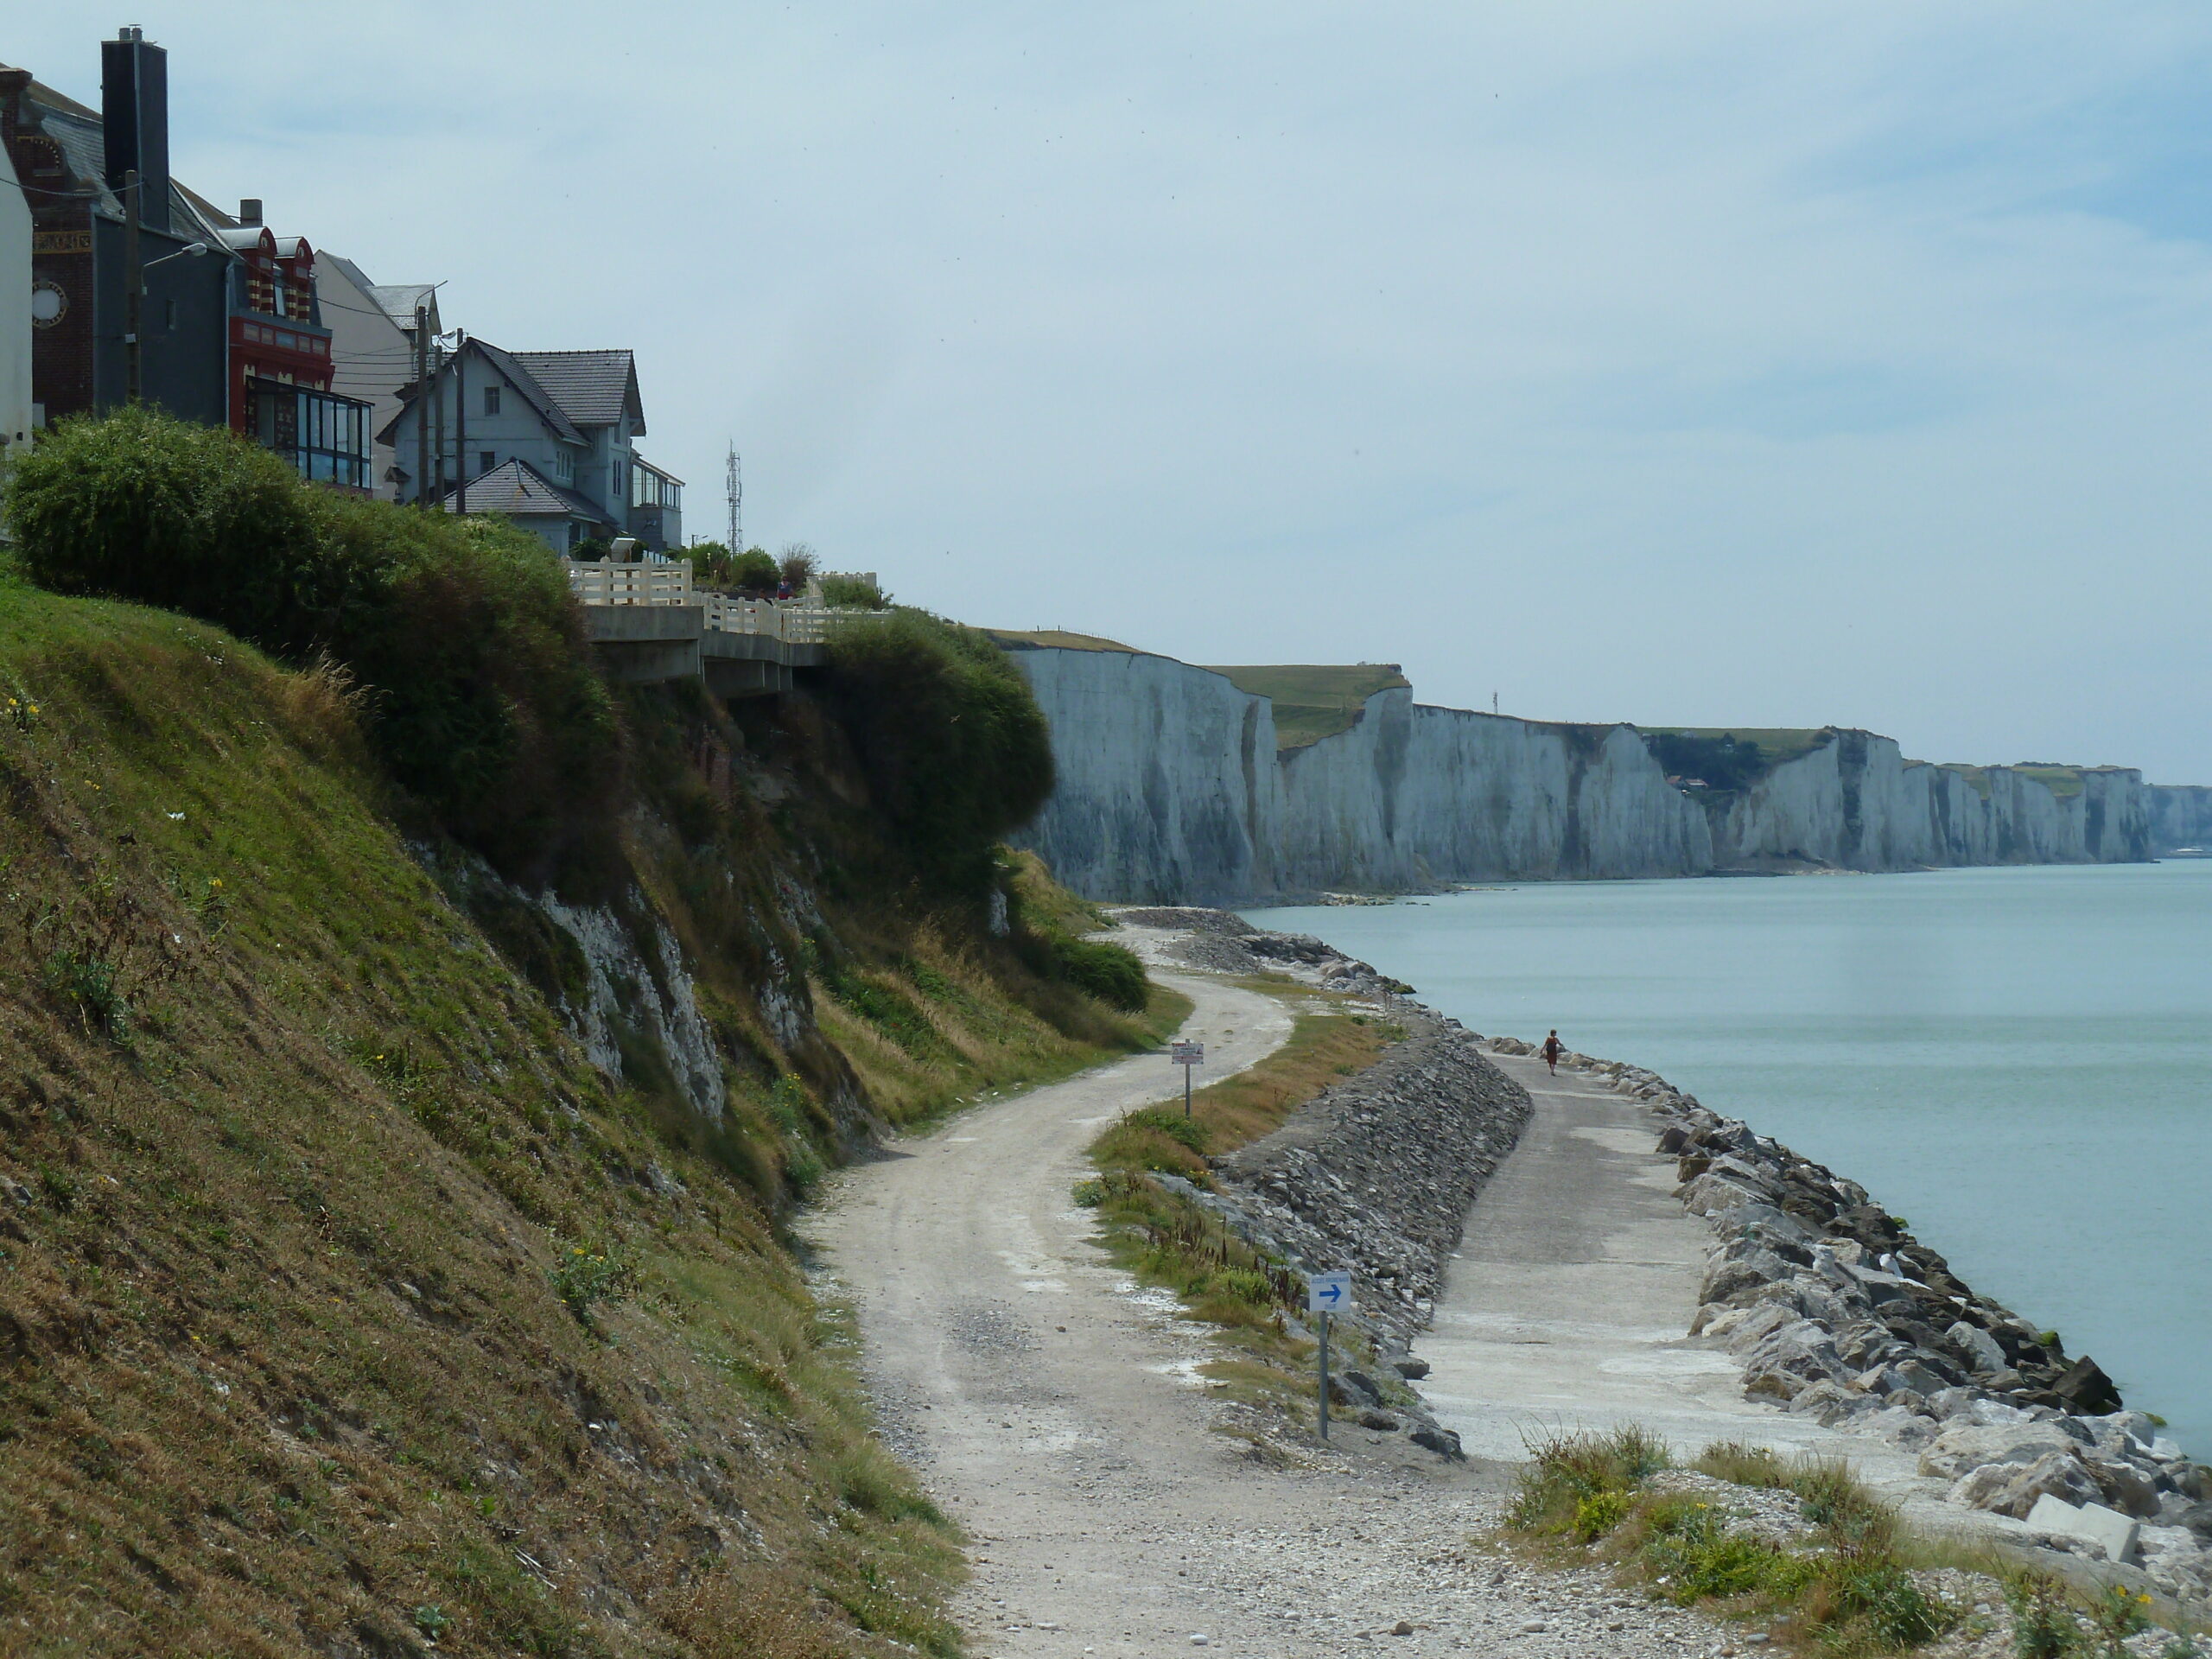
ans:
(2196, 1517)
(1828, 1403)
(1741, 1328)
(1784, 1363)
(1898, 1423)
(1711, 1195)
(2014, 1488)
(1746, 1269)
(1978, 1346)
(1969, 1445)
(2116, 1533)
(1907, 1374)
(2123, 1487)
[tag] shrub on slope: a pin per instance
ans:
(953, 744)
(342, 1303)
(478, 693)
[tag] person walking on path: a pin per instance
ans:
(1552, 1049)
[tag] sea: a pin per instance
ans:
(2016, 1061)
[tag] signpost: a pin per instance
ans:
(1327, 1293)
(1187, 1055)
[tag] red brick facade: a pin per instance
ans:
(62, 264)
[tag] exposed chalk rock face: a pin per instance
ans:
(1171, 791)
(652, 997)
(1168, 788)
(2181, 815)
(1412, 796)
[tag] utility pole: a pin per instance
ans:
(423, 407)
(438, 416)
(460, 423)
(734, 475)
(134, 289)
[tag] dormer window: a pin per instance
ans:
(280, 303)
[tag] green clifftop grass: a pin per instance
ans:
(343, 1305)
(1313, 701)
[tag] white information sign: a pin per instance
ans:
(1187, 1054)
(1329, 1292)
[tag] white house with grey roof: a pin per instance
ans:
(372, 353)
(550, 436)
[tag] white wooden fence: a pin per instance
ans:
(597, 582)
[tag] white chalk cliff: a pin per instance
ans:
(1171, 791)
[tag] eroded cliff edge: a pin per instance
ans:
(1172, 789)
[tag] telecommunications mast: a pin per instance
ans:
(737, 500)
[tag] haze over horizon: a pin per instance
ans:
(1689, 364)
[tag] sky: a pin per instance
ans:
(1701, 364)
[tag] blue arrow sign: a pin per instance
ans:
(1328, 1293)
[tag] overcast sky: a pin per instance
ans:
(1787, 363)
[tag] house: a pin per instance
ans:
(372, 353)
(16, 414)
(224, 327)
(565, 422)
(515, 489)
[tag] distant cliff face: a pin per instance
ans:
(1412, 796)
(1171, 791)
(2181, 815)
(1168, 790)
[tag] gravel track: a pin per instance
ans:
(1114, 1507)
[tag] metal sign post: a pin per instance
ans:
(1327, 1293)
(1187, 1055)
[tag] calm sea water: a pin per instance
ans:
(2019, 1061)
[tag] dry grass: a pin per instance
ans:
(1853, 1591)
(290, 1155)
(1324, 1049)
(1167, 1240)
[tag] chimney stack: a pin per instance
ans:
(135, 120)
(249, 210)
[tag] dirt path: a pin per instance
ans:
(1054, 1409)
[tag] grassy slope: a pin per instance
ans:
(1314, 701)
(1057, 638)
(292, 1164)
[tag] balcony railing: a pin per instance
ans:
(598, 581)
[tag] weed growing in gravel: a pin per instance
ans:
(1852, 1591)
(1574, 1481)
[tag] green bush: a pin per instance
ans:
(852, 594)
(1726, 762)
(953, 746)
(713, 565)
(583, 1278)
(1691, 1551)
(1565, 1471)
(475, 680)
(1110, 972)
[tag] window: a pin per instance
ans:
(324, 436)
(564, 466)
(490, 400)
(487, 461)
(169, 315)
